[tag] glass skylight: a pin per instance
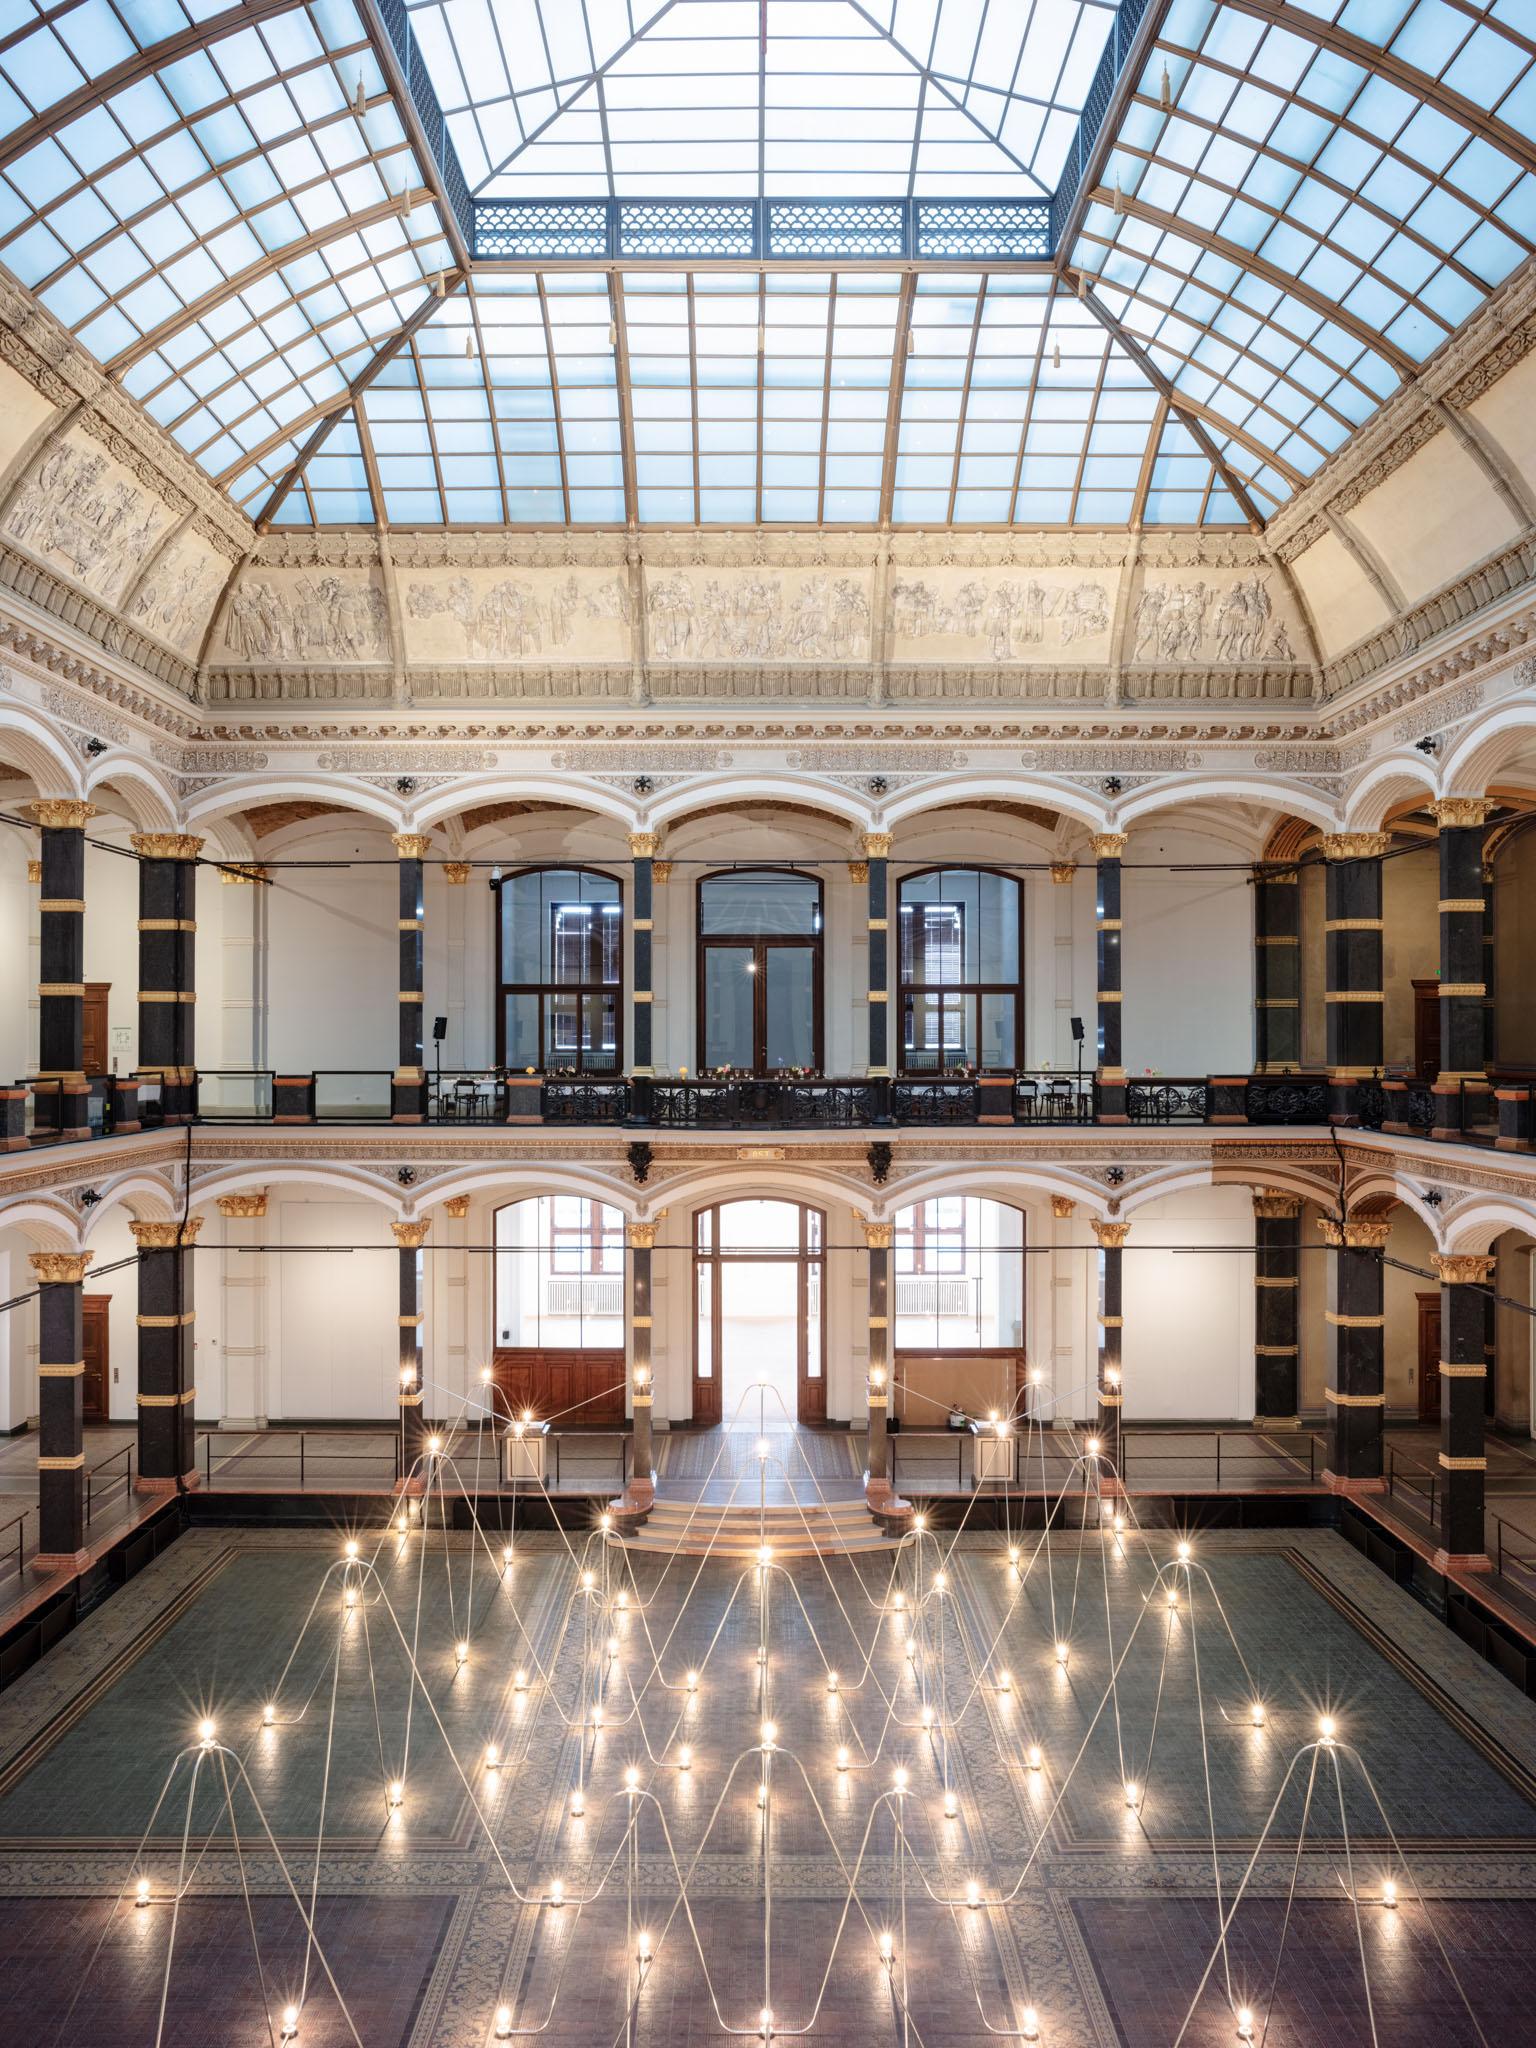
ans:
(720, 98)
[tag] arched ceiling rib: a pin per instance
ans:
(1282, 208)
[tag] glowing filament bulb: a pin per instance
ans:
(1389, 1893)
(762, 1653)
(351, 1547)
(941, 1582)
(1013, 1555)
(434, 1444)
(621, 1599)
(578, 1803)
(1119, 1525)
(831, 1681)
(1325, 1727)
(761, 1447)
(1132, 1793)
(951, 1805)
(769, 1734)
(503, 2023)
(911, 1648)
(685, 1758)
(843, 1759)
(899, 1778)
(485, 1375)
(643, 1948)
(927, 1717)
(206, 1733)
(290, 2022)
(268, 1715)
(631, 1779)
(403, 1527)
(597, 1717)
(692, 1681)
(506, 1553)
(919, 1523)
(1256, 1713)
(461, 1653)
(1034, 1756)
(765, 1553)
(762, 1791)
(1005, 1681)
(765, 2021)
(519, 1681)
(396, 1793)
(887, 1949)
(1093, 1447)
(351, 1596)
(141, 1892)
(492, 1757)
(898, 1600)
(1173, 1596)
(588, 1581)
(972, 1893)
(1061, 1654)
(613, 1646)
(1029, 2023)
(605, 1523)
(1245, 2023)
(556, 1892)
(1183, 1553)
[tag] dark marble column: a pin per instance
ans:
(1111, 1378)
(167, 1430)
(1352, 948)
(1107, 850)
(878, 1490)
(1465, 1278)
(408, 1088)
(1356, 1390)
(1277, 967)
(1277, 1289)
(61, 1428)
(877, 853)
(61, 970)
(640, 1238)
(168, 967)
(642, 1048)
(410, 1237)
(1463, 1081)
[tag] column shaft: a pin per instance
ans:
(1108, 848)
(63, 1106)
(1356, 1393)
(1277, 1292)
(1463, 987)
(641, 1491)
(168, 967)
(1111, 1376)
(877, 1485)
(167, 1429)
(642, 848)
(61, 1428)
(1277, 968)
(408, 1089)
(410, 1238)
(1464, 1282)
(877, 852)
(1352, 949)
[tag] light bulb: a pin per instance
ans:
(762, 1653)
(631, 1779)
(485, 1375)
(1005, 1681)
(972, 1893)
(396, 1792)
(141, 1892)
(1061, 1653)
(268, 1715)
(769, 1734)
(597, 1717)
(1173, 1596)
(643, 1947)
(761, 1447)
(621, 1599)
(1388, 1893)
(843, 1759)
(351, 1596)
(588, 1581)
(919, 1523)
(206, 1733)
(1093, 1447)
(1013, 1555)
(1132, 1793)
(762, 1791)
(765, 2022)
(1183, 1553)
(403, 1527)
(887, 1948)
(613, 1646)
(1119, 1525)
(503, 2023)
(765, 1553)
(434, 1444)
(605, 1523)
(831, 1681)
(461, 1653)
(692, 1681)
(1256, 1713)
(685, 1758)
(350, 1549)
(941, 1582)
(927, 1717)
(492, 1757)
(1035, 1756)
(898, 1600)
(519, 1681)
(578, 1803)
(506, 1553)
(1245, 2023)
(290, 2022)
(951, 1805)
(911, 1648)
(899, 1778)
(556, 1892)
(1029, 2023)
(1325, 1727)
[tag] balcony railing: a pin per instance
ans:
(1501, 1112)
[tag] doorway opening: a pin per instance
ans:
(758, 1293)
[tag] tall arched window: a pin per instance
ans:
(759, 978)
(958, 1322)
(960, 936)
(560, 970)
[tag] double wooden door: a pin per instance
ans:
(96, 1351)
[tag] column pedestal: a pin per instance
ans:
(1107, 850)
(61, 1426)
(1462, 1527)
(167, 1432)
(1355, 1392)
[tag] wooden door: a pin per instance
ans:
(706, 1340)
(96, 1353)
(1429, 1357)
(1426, 1029)
(95, 1040)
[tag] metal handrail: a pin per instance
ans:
(101, 1466)
(19, 1524)
(265, 1436)
(1505, 1558)
(1143, 1457)
(1394, 1480)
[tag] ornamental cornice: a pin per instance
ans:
(59, 1269)
(1356, 1234)
(61, 814)
(411, 1236)
(1501, 575)
(165, 1237)
(73, 606)
(1464, 1269)
(249, 1207)
(166, 845)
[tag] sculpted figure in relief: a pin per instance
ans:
(174, 600)
(513, 620)
(750, 619)
(1007, 615)
(325, 618)
(1172, 620)
(72, 511)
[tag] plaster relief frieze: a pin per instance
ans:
(76, 609)
(177, 598)
(506, 548)
(304, 685)
(94, 720)
(957, 614)
(212, 761)
(332, 547)
(480, 615)
(1450, 709)
(1078, 761)
(755, 615)
(900, 762)
(683, 759)
(383, 760)
(510, 684)
(305, 615)
(84, 687)
(87, 514)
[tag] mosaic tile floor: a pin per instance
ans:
(1105, 1916)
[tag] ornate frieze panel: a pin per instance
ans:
(86, 515)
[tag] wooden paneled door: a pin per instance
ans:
(1429, 1357)
(570, 1389)
(802, 1264)
(96, 1351)
(95, 1039)
(1426, 1029)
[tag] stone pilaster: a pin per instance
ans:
(61, 961)
(1463, 982)
(877, 854)
(1276, 1306)
(1111, 1378)
(1108, 849)
(1356, 1389)
(61, 1427)
(1353, 958)
(244, 1294)
(410, 1237)
(642, 852)
(1277, 967)
(408, 1090)
(640, 1238)
(168, 967)
(1465, 1278)
(167, 1432)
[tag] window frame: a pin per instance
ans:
(971, 992)
(544, 990)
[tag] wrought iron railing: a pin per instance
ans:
(1157, 1101)
(1286, 1099)
(763, 230)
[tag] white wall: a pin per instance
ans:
(1188, 1337)
(333, 953)
(18, 925)
(337, 1334)
(1186, 957)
